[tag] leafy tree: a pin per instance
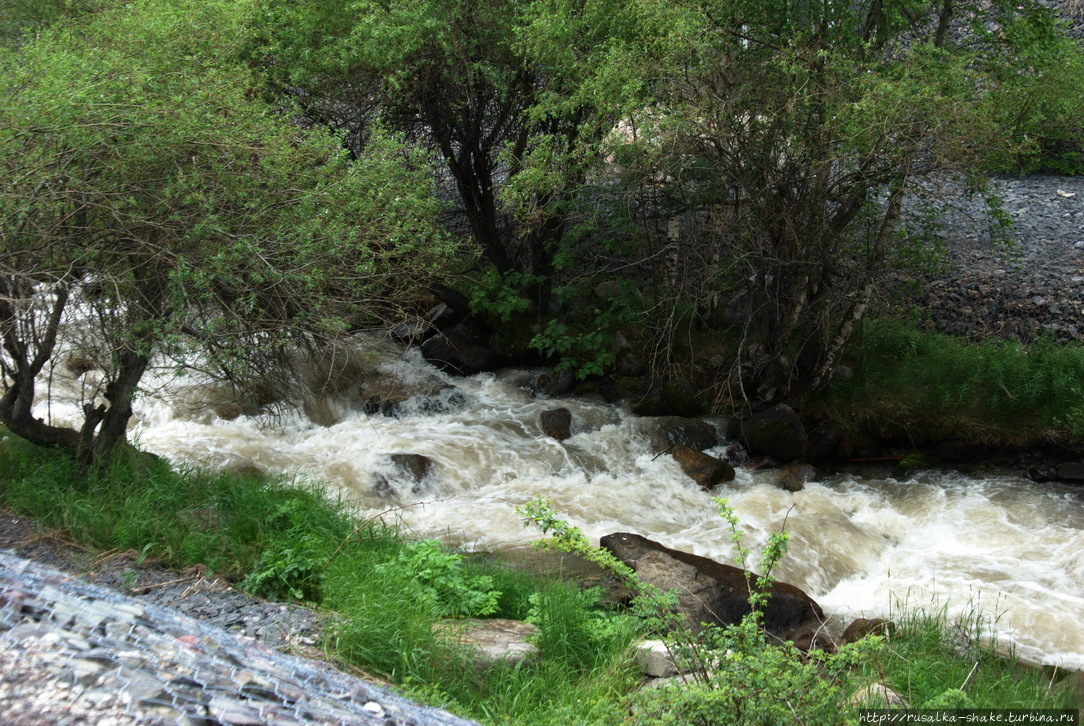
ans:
(490, 87)
(154, 205)
(786, 135)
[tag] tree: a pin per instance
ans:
(472, 81)
(155, 206)
(786, 135)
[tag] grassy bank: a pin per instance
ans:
(284, 540)
(928, 388)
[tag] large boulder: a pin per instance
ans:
(704, 469)
(666, 431)
(1071, 471)
(777, 432)
(699, 598)
(725, 602)
(458, 350)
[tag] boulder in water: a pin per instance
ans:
(794, 477)
(1071, 471)
(725, 602)
(414, 468)
(667, 431)
(704, 469)
(459, 351)
(556, 423)
(777, 432)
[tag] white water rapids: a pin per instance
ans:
(859, 546)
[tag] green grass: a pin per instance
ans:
(935, 662)
(287, 539)
(926, 385)
(284, 539)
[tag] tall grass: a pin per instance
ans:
(990, 392)
(934, 661)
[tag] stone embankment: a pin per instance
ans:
(1022, 285)
(76, 653)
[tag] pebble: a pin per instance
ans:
(76, 653)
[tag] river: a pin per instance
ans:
(861, 545)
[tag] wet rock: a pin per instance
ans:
(459, 351)
(704, 469)
(407, 334)
(794, 477)
(787, 605)
(556, 423)
(777, 432)
(414, 468)
(810, 635)
(390, 396)
(550, 383)
(1071, 471)
(667, 431)
(862, 627)
(78, 365)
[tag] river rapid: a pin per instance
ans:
(861, 545)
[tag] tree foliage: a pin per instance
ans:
(155, 201)
(473, 82)
(784, 137)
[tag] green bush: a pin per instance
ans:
(437, 578)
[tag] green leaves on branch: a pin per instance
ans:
(147, 176)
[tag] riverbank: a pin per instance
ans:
(69, 671)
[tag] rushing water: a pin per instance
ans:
(861, 546)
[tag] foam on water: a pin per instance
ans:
(859, 546)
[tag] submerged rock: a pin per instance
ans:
(413, 468)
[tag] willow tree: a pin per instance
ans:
(787, 135)
(153, 204)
